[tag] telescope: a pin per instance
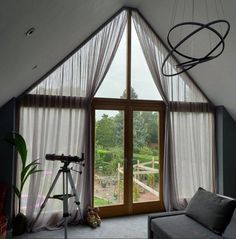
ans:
(65, 159)
(65, 171)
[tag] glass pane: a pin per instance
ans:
(109, 158)
(145, 156)
(114, 84)
(141, 78)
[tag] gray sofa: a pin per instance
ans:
(182, 225)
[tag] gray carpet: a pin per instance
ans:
(132, 227)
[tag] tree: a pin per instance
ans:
(139, 131)
(145, 126)
(133, 94)
(151, 122)
(105, 131)
(119, 129)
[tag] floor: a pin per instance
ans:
(132, 227)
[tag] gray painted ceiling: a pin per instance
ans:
(61, 25)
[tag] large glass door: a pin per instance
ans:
(146, 160)
(146, 156)
(127, 159)
(128, 134)
(109, 162)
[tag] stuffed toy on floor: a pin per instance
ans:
(93, 219)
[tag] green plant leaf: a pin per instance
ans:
(27, 175)
(32, 171)
(21, 148)
(17, 192)
(25, 170)
(18, 141)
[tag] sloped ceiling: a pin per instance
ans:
(61, 25)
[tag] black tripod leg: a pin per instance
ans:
(65, 201)
(72, 184)
(46, 199)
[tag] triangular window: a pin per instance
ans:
(141, 78)
(115, 84)
(104, 101)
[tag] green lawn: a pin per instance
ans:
(101, 202)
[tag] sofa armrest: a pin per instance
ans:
(161, 214)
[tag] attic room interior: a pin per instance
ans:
(117, 119)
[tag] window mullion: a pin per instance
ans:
(128, 80)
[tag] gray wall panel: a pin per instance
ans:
(226, 152)
(7, 159)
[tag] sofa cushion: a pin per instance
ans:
(180, 227)
(230, 231)
(211, 210)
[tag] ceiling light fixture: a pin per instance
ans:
(188, 60)
(30, 31)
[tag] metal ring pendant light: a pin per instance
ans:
(190, 60)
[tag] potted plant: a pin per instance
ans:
(20, 220)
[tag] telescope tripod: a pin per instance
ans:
(66, 173)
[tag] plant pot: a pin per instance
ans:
(19, 224)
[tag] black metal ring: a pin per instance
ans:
(193, 60)
(202, 26)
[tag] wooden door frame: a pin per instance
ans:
(129, 208)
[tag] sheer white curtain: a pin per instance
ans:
(55, 118)
(189, 136)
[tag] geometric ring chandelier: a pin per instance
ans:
(193, 61)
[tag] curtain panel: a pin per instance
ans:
(55, 117)
(189, 147)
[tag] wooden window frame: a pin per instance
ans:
(129, 106)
